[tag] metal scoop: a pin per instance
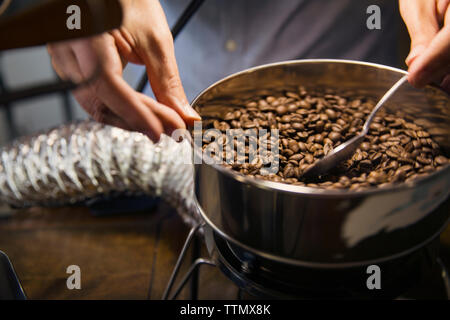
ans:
(348, 148)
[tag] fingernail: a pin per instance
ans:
(414, 53)
(191, 112)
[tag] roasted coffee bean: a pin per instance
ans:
(331, 114)
(441, 160)
(289, 171)
(334, 136)
(302, 146)
(423, 160)
(296, 157)
(318, 138)
(293, 145)
(384, 137)
(281, 110)
(309, 158)
(286, 119)
(297, 126)
(310, 126)
(365, 146)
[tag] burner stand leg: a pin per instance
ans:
(195, 276)
(192, 269)
(240, 294)
(189, 238)
(445, 277)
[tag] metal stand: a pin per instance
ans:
(445, 277)
(193, 269)
(196, 251)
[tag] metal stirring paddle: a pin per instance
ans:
(348, 148)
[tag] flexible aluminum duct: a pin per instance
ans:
(80, 161)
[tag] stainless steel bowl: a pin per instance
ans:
(316, 227)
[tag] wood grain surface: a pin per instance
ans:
(121, 257)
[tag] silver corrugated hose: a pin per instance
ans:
(79, 161)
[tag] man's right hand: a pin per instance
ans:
(144, 38)
(428, 23)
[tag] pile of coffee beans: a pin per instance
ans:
(312, 124)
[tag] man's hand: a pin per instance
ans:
(428, 23)
(144, 38)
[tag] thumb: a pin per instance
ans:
(421, 21)
(415, 51)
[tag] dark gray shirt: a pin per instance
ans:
(226, 36)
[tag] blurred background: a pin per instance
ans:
(30, 66)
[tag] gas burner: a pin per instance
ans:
(266, 278)
(263, 277)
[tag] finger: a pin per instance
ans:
(126, 44)
(125, 102)
(111, 89)
(104, 115)
(64, 62)
(158, 54)
(97, 109)
(434, 62)
(170, 119)
(441, 9)
(421, 21)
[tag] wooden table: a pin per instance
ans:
(121, 257)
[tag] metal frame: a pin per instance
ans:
(193, 269)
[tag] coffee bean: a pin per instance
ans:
(331, 114)
(286, 119)
(334, 136)
(319, 126)
(365, 146)
(297, 126)
(441, 160)
(428, 169)
(302, 146)
(302, 134)
(392, 154)
(229, 116)
(318, 138)
(292, 107)
(293, 145)
(296, 157)
(289, 171)
(423, 160)
(309, 158)
(422, 134)
(384, 137)
(281, 110)
(328, 147)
